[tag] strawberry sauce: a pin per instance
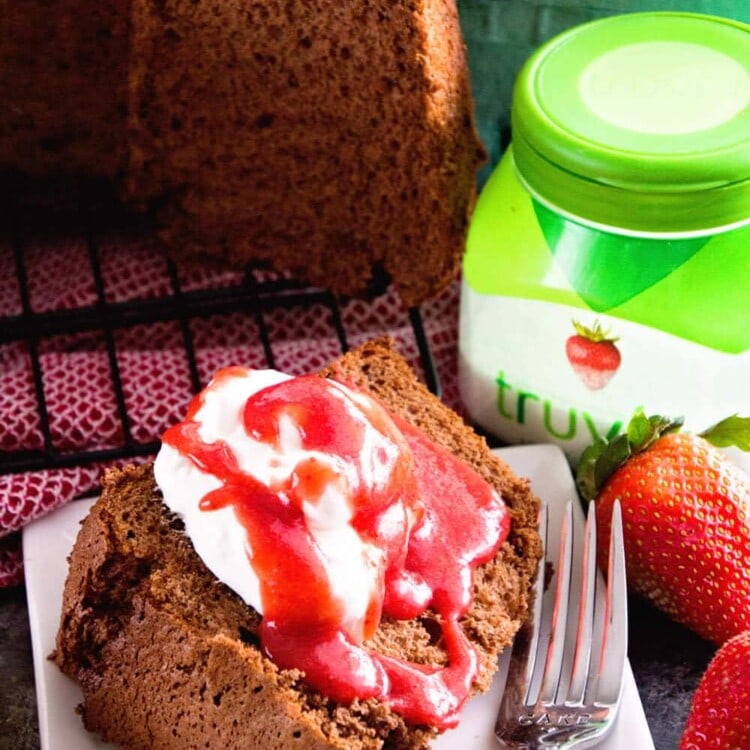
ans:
(426, 520)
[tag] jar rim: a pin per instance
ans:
(602, 124)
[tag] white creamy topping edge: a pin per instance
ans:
(354, 567)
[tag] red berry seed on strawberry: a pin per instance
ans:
(719, 716)
(686, 518)
(593, 355)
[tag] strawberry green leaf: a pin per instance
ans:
(585, 474)
(732, 431)
(612, 458)
(598, 462)
(596, 333)
(639, 428)
(644, 431)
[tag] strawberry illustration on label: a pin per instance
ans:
(593, 355)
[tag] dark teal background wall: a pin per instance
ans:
(501, 34)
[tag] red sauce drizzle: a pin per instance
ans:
(433, 516)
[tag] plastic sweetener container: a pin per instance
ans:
(608, 258)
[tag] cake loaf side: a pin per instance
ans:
(332, 140)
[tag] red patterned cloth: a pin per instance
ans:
(77, 375)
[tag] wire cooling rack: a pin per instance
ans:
(254, 293)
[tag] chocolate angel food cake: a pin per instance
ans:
(329, 561)
(287, 133)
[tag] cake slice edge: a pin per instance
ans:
(144, 624)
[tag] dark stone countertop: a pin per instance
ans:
(667, 661)
(18, 721)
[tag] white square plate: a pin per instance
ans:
(48, 541)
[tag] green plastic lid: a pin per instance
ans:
(639, 121)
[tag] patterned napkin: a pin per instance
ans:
(77, 376)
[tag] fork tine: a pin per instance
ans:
(556, 648)
(535, 616)
(615, 638)
(586, 613)
(518, 662)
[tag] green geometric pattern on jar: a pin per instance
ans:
(697, 289)
(607, 270)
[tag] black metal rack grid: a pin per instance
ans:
(257, 294)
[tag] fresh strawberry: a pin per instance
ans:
(720, 713)
(686, 515)
(593, 355)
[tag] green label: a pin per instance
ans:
(605, 269)
(694, 288)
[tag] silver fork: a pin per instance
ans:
(565, 675)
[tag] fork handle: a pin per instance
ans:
(555, 727)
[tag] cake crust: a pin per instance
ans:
(168, 657)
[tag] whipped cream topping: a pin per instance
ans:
(353, 565)
(323, 511)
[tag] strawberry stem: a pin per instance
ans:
(644, 431)
(600, 460)
(596, 334)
